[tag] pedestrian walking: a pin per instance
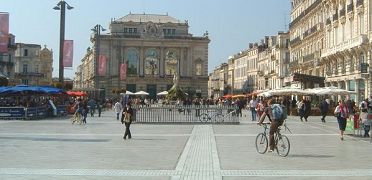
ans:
(364, 117)
(324, 107)
(252, 106)
(92, 106)
(99, 107)
(301, 109)
(341, 113)
(85, 112)
(117, 108)
(126, 118)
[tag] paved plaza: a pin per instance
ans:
(56, 149)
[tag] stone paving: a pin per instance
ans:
(55, 149)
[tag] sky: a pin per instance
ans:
(231, 24)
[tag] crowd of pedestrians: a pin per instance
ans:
(304, 108)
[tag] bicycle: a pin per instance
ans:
(281, 142)
(209, 116)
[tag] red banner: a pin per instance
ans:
(102, 65)
(68, 52)
(4, 32)
(123, 71)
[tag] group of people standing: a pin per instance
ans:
(83, 107)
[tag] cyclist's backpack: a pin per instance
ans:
(277, 112)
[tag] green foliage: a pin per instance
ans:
(175, 93)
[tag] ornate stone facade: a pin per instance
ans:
(153, 48)
(346, 55)
(33, 65)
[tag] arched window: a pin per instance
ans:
(171, 62)
(151, 62)
(132, 59)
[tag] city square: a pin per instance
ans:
(189, 70)
(56, 149)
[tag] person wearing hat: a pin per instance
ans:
(126, 118)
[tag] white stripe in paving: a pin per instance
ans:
(181, 174)
(88, 134)
(199, 159)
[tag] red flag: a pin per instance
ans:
(4, 32)
(68, 52)
(102, 65)
(123, 71)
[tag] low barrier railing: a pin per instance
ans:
(14, 113)
(185, 114)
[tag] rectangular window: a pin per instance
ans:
(125, 30)
(135, 30)
(25, 52)
(164, 31)
(130, 30)
(173, 31)
(25, 68)
(37, 68)
(351, 85)
(168, 31)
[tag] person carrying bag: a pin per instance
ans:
(126, 118)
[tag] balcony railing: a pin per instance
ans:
(349, 44)
(313, 29)
(295, 40)
(309, 9)
(29, 74)
(293, 63)
(350, 7)
(308, 57)
(359, 3)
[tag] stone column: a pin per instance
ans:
(190, 62)
(181, 64)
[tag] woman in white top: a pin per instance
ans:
(117, 108)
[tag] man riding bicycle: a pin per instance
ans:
(275, 114)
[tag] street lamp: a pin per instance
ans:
(97, 31)
(62, 7)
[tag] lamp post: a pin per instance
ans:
(62, 7)
(97, 31)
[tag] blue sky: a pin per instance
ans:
(231, 24)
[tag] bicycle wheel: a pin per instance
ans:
(282, 145)
(218, 118)
(261, 143)
(203, 117)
